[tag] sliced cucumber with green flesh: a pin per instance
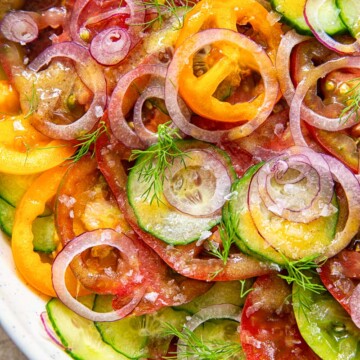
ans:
(13, 187)
(227, 292)
(248, 238)
(79, 336)
(7, 214)
(45, 239)
(325, 325)
(350, 15)
(292, 12)
(191, 187)
(138, 336)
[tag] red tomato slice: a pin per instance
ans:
(340, 275)
(268, 325)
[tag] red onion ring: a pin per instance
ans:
(299, 110)
(106, 15)
(77, 246)
(191, 46)
(287, 44)
(354, 304)
(351, 187)
(146, 136)
(110, 46)
(313, 196)
(20, 26)
(92, 76)
(75, 31)
(49, 330)
(311, 14)
(118, 123)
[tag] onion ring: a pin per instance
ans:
(76, 247)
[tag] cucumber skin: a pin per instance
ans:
(7, 215)
(299, 27)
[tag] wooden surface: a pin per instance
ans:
(8, 350)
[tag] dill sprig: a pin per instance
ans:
(353, 103)
(227, 236)
(163, 9)
(153, 162)
(195, 347)
(301, 272)
(33, 101)
(243, 290)
(87, 140)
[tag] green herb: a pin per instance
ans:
(244, 292)
(153, 162)
(87, 140)
(33, 101)
(353, 103)
(195, 347)
(227, 236)
(163, 9)
(301, 272)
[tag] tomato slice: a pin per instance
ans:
(268, 326)
(340, 275)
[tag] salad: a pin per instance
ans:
(180, 178)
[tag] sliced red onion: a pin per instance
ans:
(287, 44)
(92, 76)
(75, 31)
(197, 184)
(136, 19)
(20, 26)
(49, 330)
(146, 136)
(181, 57)
(351, 187)
(110, 46)
(77, 246)
(221, 311)
(354, 304)
(299, 110)
(311, 13)
(303, 201)
(118, 123)
(106, 15)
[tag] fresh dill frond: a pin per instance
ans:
(243, 290)
(87, 140)
(301, 272)
(33, 101)
(352, 107)
(153, 162)
(197, 348)
(163, 9)
(227, 236)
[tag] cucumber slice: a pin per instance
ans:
(13, 187)
(45, 239)
(79, 336)
(350, 15)
(325, 325)
(161, 219)
(220, 293)
(7, 214)
(292, 12)
(248, 238)
(138, 336)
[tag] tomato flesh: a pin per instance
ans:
(268, 326)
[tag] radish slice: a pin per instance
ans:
(197, 184)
